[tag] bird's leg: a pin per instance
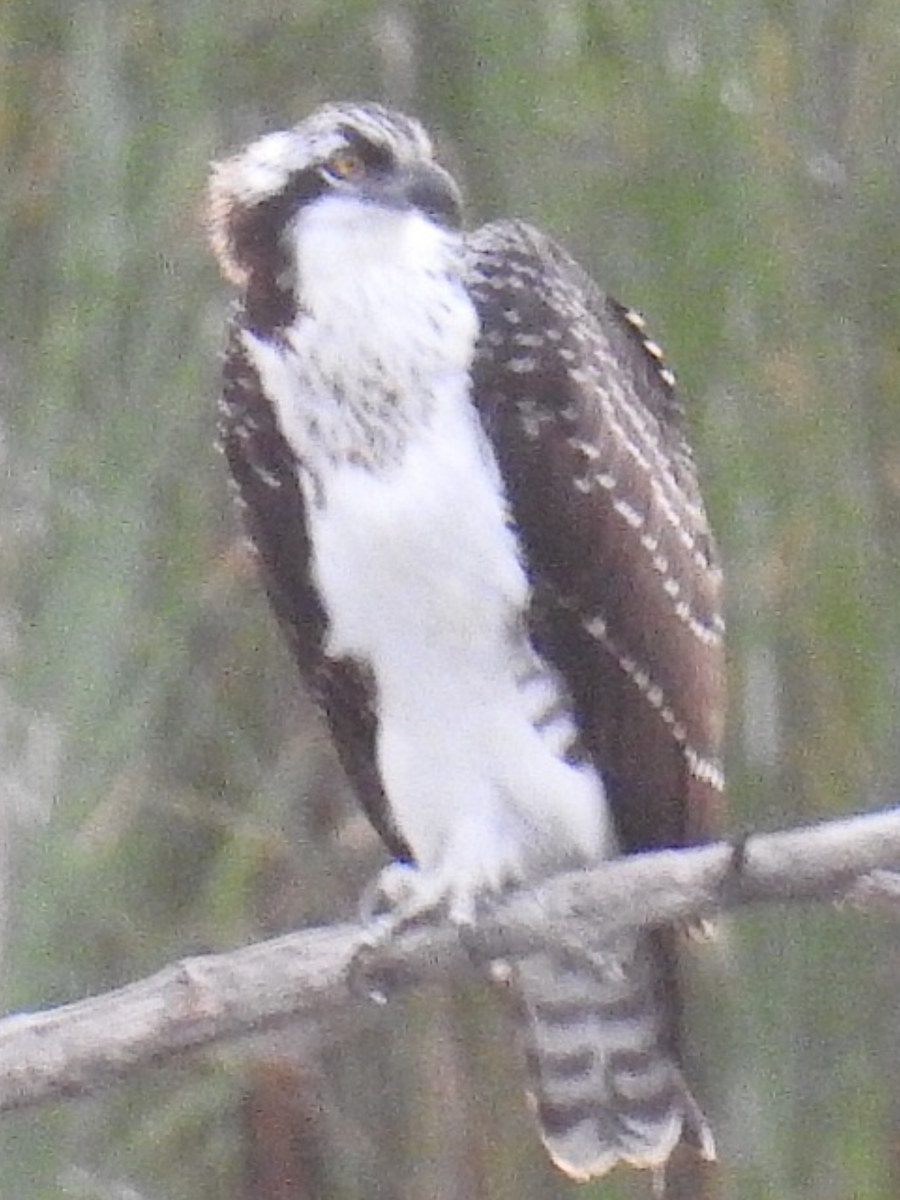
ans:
(391, 898)
(399, 897)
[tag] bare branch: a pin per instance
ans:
(307, 975)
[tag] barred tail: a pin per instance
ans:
(604, 1081)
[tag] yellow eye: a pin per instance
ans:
(347, 165)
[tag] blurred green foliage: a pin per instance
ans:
(732, 169)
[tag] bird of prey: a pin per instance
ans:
(463, 469)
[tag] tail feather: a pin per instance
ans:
(603, 1076)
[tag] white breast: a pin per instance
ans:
(422, 579)
(418, 566)
(420, 556)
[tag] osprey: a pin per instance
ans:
(463, 468)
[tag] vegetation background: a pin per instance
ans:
(732, 168)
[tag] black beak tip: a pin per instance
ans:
(433, 191)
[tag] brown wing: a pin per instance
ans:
(585, 426)
(264, 471)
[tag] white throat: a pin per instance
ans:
(389, 280)
(338, 235)
(384, 330)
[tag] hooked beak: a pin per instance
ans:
(423, 186)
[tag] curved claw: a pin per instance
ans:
(396, 898)
(387, 892)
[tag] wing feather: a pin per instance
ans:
(603, 493)
(264, 471)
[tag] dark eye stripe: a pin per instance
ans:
(376, 157)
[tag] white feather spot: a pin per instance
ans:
(588, 449)
(596, 627)
(629, 513)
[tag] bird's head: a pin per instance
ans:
(349, 169)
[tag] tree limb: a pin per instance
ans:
(314, 973)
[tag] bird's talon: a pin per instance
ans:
(391, 893)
